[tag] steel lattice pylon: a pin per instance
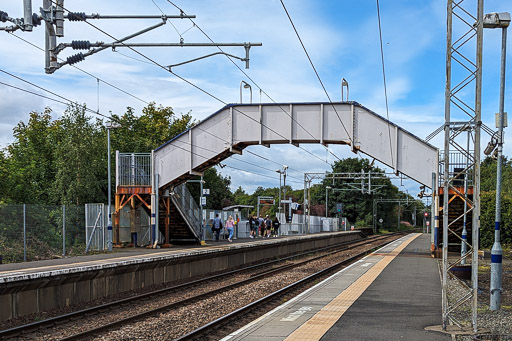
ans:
(464, 34)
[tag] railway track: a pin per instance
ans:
(227, 281)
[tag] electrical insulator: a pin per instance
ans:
(75, 58)
(81, 44)
(3, 16)
(36, 20)
(77, 16)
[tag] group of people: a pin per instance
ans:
(259, 227)
(263, 227)
(217, 227)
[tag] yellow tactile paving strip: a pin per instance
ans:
(322, 321)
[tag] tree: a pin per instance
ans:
(356, 208)
(488, 215)
(240, 197)
(488, 175)
(80, 167)
(154, 127)
(28, 163)
(220, 193)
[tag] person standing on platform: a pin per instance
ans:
(275, 227)
(253, 226)
(268, 226)
(230, 224)
(261, 224)
(216, 227)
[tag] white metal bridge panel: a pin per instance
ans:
(234, 127)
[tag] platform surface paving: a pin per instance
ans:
(392, 294)
(129, 256)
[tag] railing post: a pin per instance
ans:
(63, 230)
(24, 232)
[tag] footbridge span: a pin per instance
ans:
(236, 126)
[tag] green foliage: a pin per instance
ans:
(64, 161)
(28, 165)
(488, 175)
(356, 205)
(141, 134)
(488, 215)
(80, 169)
(220, 193)
(488, 202)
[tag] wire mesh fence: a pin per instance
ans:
(36, 232)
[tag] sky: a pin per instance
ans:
(341, 37)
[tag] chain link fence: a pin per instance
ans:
(36, 232)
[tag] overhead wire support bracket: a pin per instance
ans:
(80, 16)
(53, 15)
(203, 57)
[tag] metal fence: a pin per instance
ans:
(133, 169)
(35, 232)
(296, 227)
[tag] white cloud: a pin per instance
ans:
(342, 39)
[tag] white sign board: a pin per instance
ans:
(203, 201)
(286, 201)
(206, 191)
(212, 215)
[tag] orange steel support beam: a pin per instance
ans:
(117, 218)
(167, 218)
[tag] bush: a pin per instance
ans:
(487, 219)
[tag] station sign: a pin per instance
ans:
(266, 202)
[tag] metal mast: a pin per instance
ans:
(464, 32)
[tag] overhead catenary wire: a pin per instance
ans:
(384, 79)
(252, 80)
(87, 109)
(233, 157)
(68, 101)
(208, 158)
(189, 82)
(314, 69)
(51, 92)
(94, 112)
(153, 1)
(86, 72)
(33, 93)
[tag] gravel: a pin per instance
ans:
(174, 323)
(177, 322)
(492, 325)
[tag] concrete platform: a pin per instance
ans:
(392, 294)
(27, 288)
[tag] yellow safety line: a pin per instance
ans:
(106, 260)
(321, 322)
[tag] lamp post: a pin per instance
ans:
(284, 191)
(279, 202)
(498, 20)
(327, 199)
(110, 125)
(245, 86)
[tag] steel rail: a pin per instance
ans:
(73, 315)
(218, 323)
(191, 300)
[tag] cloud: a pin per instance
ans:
(341, 38)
